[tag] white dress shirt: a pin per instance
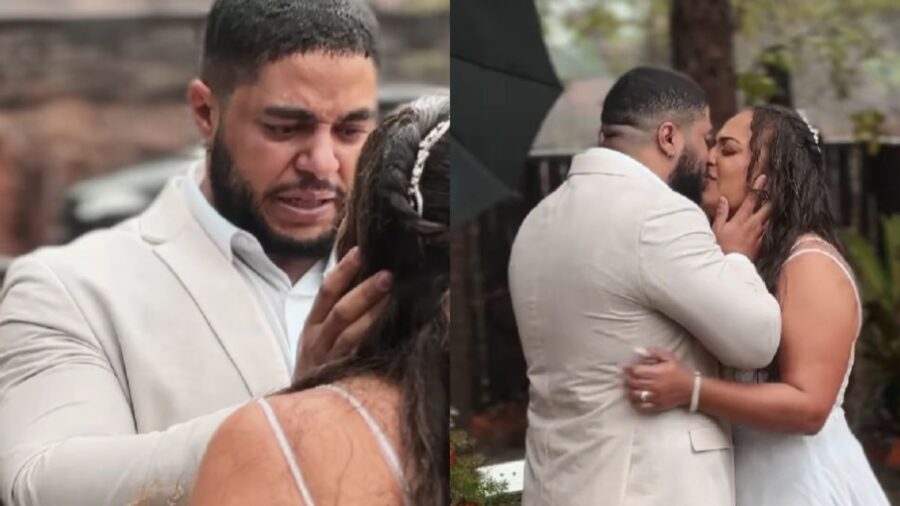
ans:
(285, 305)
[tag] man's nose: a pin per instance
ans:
(319, 157)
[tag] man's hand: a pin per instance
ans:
(340, 319)
(744, 231)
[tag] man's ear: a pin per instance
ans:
(667, 139)
(204, 109)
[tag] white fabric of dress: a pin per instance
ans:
(825, 469)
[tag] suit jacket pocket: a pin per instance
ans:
(707, 439)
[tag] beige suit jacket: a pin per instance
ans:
(119, 356)
(610, 261)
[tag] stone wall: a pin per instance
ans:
(98, 60)
(146, 59)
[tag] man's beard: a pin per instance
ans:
(234, 200)
(689, 177)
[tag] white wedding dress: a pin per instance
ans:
(825, 469)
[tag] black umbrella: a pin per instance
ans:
(503, 84)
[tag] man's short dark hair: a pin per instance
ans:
(644, 96)
(243, 35)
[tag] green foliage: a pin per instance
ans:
(868, 128)
(777, 57)
(847, 37)
(844, 35)
(467, 484)
(591, 21)
(756, 83)
(614, 34)
(757, 86)
(879, 282)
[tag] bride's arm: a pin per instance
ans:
(819, 325)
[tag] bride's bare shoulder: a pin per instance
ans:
(243, 464)
(817, 286)
(333, 446)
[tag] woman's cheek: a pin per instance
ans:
(736, 195)
(733, 186)
(711, 196)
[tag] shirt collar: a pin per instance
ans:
(310, 282)
(613, 157)
(220, 230)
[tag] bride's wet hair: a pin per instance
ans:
(410, 343)
(784, 148)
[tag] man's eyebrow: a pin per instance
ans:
(363, 114)
(294, 113)
(307, 116)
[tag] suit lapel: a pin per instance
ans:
(222, 295)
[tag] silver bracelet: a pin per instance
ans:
(695, 392)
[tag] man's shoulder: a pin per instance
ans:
(672, 219)
(675, 206)
(102, 250)
(107, 242)
(630, 196)
(122, 244)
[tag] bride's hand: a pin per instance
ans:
(658, 383)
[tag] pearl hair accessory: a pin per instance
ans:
(813, 131)
(424, 151)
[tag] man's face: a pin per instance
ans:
(689, 175)
(285, 149)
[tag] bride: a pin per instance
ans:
(792, 442)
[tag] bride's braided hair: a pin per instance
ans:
(385, 170)
(410, 344)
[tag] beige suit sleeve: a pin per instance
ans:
(67, 434)
(719, 299)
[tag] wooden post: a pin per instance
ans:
(702, 34)
(460, 327)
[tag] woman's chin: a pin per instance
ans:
(709, 205)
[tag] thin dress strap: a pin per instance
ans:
(390, 455)
(827, 251)
(286, 451)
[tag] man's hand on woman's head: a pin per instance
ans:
(341, 316)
